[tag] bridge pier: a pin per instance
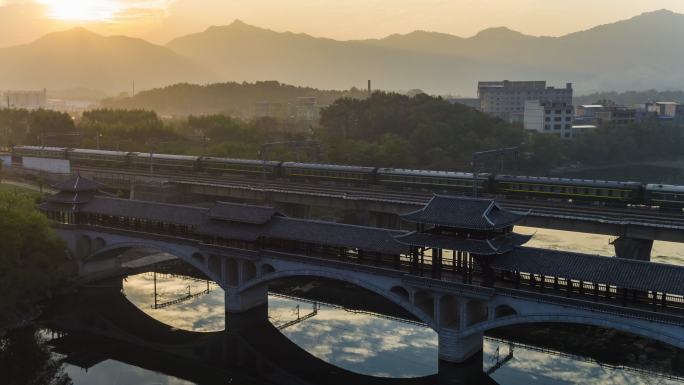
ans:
(633, 248)
(458, 349)
(239, 302)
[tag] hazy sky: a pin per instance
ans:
(22, 21)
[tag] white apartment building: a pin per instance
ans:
(506, 99)
(549, 118)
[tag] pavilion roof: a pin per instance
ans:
(494, 246)
(241, 213)
(78, 183)
(464, 213)
(632, 274)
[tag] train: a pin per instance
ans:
(612, 193)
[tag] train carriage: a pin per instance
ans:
(328, 172)
(164, 162)
(95, 158)
(19, 152)
(433, 180)
(239, 166)
(665, 196)
(613, 192)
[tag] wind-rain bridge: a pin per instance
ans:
(462, 271)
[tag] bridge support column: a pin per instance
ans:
(239, 302)
(457, 349)
(633, 248)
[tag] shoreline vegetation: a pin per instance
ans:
(34, 262)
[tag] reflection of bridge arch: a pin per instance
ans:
(654, 333)
(394, 296)
(259, 347)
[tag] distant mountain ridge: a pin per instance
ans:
(638, 53)
(81, 58)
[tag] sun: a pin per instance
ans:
(82, 10)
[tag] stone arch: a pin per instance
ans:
(198, 258)
(424, 317)
(425, 301)
(449, 312)
(267, 269)
(655, 332)
(195, 259)
(476, 311)
(249, 271)
(401, 292)
(215, 265)
(232, 273)
(84, 246)
(504, 311)
(99, 244)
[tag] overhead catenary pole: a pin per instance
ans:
(500, 152)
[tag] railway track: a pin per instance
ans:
(417, 198)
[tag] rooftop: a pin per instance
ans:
(464, 213)
(78, 184)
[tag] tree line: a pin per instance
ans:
(385, 129)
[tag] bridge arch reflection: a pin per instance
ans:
(110, 323)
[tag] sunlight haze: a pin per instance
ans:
(159, 21)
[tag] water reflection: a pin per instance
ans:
(371, 344)
(531, 367)
(112, 372)
(359, 342)
(663, 252)
(202, 312)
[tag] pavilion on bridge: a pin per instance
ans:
(471, 231)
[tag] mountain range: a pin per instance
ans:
(639, 53)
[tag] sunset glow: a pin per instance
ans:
(82, 10)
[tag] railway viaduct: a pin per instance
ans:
(634, 230)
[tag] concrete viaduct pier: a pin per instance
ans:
(462, 271)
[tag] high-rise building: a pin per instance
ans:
(506, 99)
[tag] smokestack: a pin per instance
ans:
(370, 91)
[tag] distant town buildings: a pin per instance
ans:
(599, 115)
(549, 118)
(506, 99)
(302, 109)
(30, 100)
(307, 109)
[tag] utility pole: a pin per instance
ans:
(498, 152)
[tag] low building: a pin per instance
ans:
(470, 102)
(549, 118)
(30, 100)
(599, 115)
